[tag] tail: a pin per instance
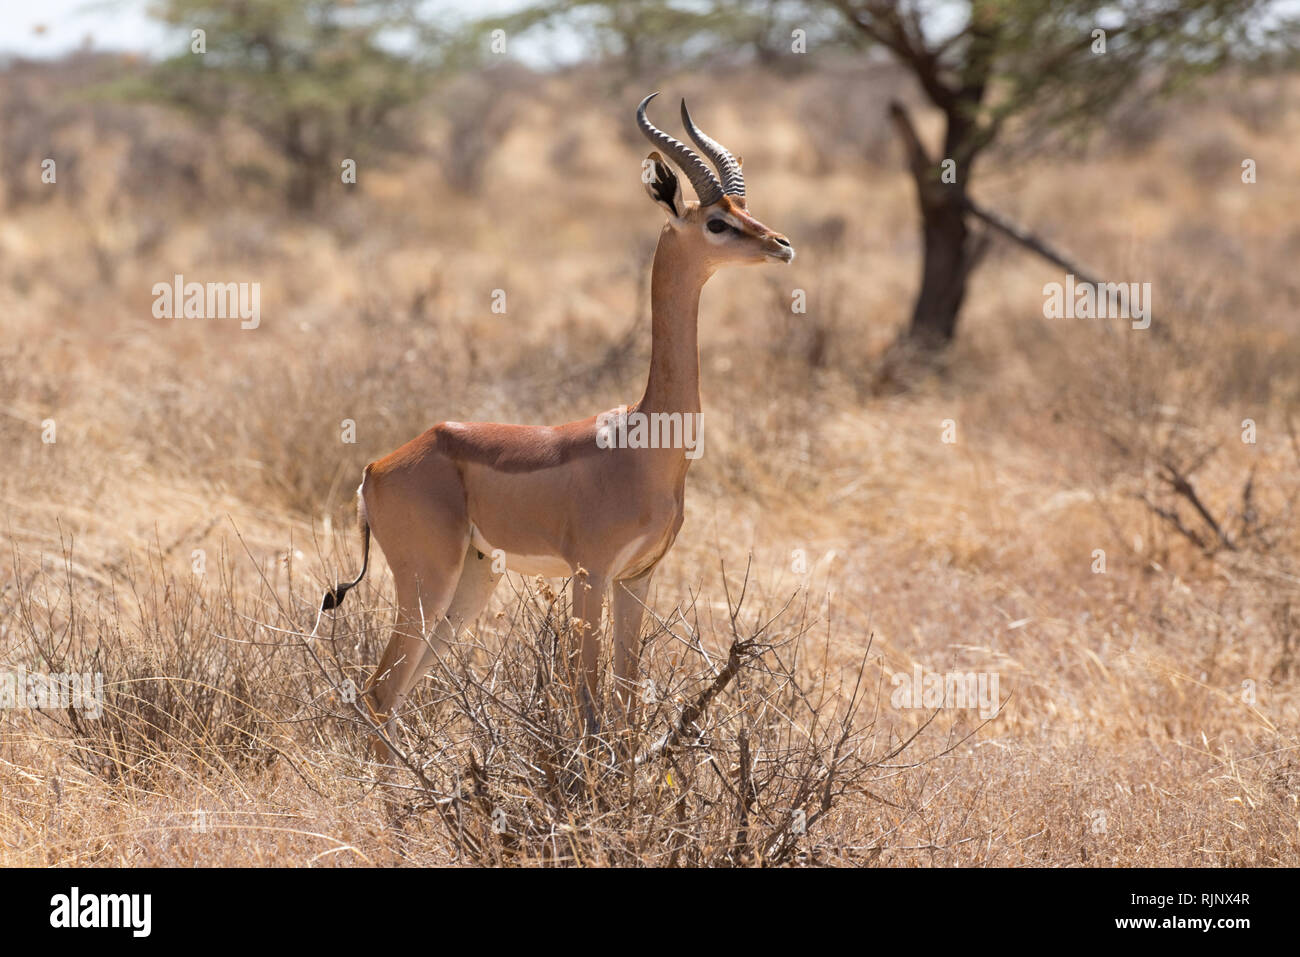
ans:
(334, 596)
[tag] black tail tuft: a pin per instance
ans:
(334, 596)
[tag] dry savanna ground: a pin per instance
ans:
(197, 496)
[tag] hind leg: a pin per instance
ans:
(475, 587)
(424, 593)
(417, 640)
(419, 520)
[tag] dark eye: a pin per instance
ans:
(717, 226)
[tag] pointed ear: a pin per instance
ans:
(662, 185)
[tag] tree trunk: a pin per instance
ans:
(951, 252)
(300, 191)
(306, 157)
(948, 260)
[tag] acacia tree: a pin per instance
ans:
(1055, 63)
(643, 37)
(979, 62)
(319, 80)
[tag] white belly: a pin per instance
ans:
(548, 566)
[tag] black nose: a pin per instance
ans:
(783, 241)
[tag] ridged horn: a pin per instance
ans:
(733, 181)
(706, 185)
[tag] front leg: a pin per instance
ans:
(627, 608)
(588, 599)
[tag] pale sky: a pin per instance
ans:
(48, 28)
(53, 27)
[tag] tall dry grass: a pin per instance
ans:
(1153, 708)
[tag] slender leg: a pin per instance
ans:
(627, 607)
(477, 582)
(423, 598)
(421, 524)
(416, 643)
(588, 597)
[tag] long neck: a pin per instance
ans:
(675, 283)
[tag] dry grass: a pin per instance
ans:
(1129, 738)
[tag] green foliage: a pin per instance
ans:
(320, 80)
(984, 61)
(979, 61)
(649, 35)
